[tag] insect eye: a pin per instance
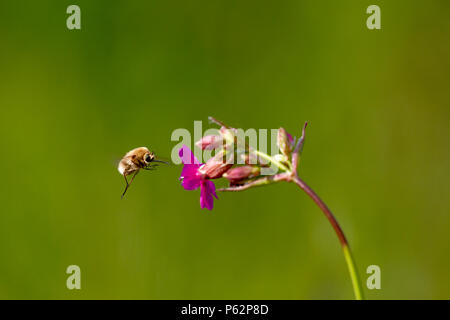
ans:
(148, 158)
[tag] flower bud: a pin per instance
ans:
(285, 142)
(209, 142)
(241, 173)
(216, 166)
(291, 141)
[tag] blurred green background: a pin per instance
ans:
(73, 102)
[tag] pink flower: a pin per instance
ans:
(192, 179)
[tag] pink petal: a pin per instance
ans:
(189, 170)
(191, 183)
(207, 191)
(211, 188)
(186, 156)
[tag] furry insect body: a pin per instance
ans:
(135, 160)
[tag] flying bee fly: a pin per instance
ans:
(135, 160)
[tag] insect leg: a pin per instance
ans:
(134, 176)
(128, 184)
(126, 187)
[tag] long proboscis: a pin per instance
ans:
(161, 161)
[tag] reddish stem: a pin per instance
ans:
(324, 208)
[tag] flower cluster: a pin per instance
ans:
(200, 175)
(250, 174)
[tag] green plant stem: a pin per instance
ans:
(271, 159)
(353, 273)
(343, 240)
